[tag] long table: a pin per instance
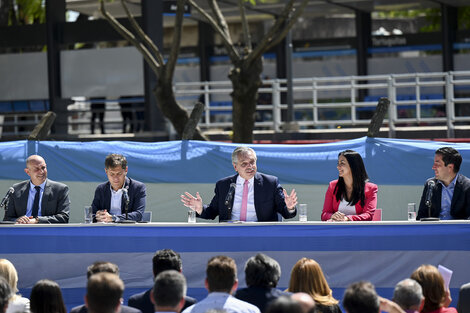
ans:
(381, 252)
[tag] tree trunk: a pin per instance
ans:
(177, 115)
(246, 79)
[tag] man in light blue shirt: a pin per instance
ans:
(221, 282)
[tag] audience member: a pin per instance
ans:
(169, 291)
(436, 298)
(307, 276)
(16, 303)
(163, 260)
(5, 294)
(361, 297)
(306, 301)
(109, 203)
(463, 306)
(46, 297)
(270, 199)
(38, 200)
(451, 192)
(103, 267)
(284, 304)
(104, 293)
(221, 281)
(261, 275)
(408, 294)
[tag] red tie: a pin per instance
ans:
(244, 201)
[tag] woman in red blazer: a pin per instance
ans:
(351, 197)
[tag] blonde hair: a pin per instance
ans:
(8, 271)
(307, 276)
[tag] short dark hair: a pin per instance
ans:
(114, 159)
(450, 156)
(262, 271)
(5, 294)
(46, 297)
(361, 297)
(101, 266)
(169, 288)
(166, 259)
(408, 293)
(104, 292)
(221, 273)
(284, 304)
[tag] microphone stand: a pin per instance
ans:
(429, 218)
(126, 209)
(5, 207)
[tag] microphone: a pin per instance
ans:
(7, 197)
(231, 191)
(428, 203)
(125, 194)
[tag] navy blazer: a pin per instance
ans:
(269, 200)
(142, 302)
(460, 204)
(137, 194)
(260, 296)
(55, 205)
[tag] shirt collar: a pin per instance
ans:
(32, 186)
(241, 180)
(452, 183)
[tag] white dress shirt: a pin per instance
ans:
(346, 209)
(238, 197)
(222, 301)
(116, 197)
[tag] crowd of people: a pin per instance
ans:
(308, 292)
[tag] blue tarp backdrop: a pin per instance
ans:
(388, 161)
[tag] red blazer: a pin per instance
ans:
(364, 213)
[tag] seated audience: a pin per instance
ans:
(306, 302)
(307, 276)
(408, 294)
(463, 306)
(436, 298)
(17, 303)
(5, 294)
(104, 293)
(221, 282)
(168, 292)
(284, 304)
(46, 297)
(351, 197)
(361, 297)
(261, 275)
(163, 260)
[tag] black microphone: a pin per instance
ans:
(7, 196)
(429, 192)
(125, 194)
(231, 191)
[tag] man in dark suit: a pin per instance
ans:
(262, 274)
(38, 200)
(168, 292)
(95, 269)
(247, 196)
(163, 260)
(104, 293)
(451, 192)
(109, 203)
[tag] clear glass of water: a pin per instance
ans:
(191, 216)
(302, 212)
(411, 212)
(88, 215)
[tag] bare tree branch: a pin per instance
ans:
(154, 65)
(175, 46)
(143, 36)
(246, 26)
(232, 52)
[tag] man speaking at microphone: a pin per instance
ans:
(449, 191)
(111, 197)
(247, 196)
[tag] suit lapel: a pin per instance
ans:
(257, 186)
(24, 197)
(457, 191)
(45, 197)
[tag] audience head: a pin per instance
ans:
(104, 293)
(450, 156)
(307, 276)
(5, 294)
(262, 271)
(305, 300)
(166, 259)
(433, 286)
(221, 274)
(8, 271)
(99, 267)
(169, 291)
(361, 297)
(284, 304)
(408, 294)
(46, 297)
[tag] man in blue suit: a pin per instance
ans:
(247, 196)
(112, 197)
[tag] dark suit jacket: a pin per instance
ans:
(55, 205)
(463, 306)
(259, 296)
(136, 191)
(269, 199)
(142, 302)
(124, 309)
(460, 204)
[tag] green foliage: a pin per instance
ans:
(29, 12)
